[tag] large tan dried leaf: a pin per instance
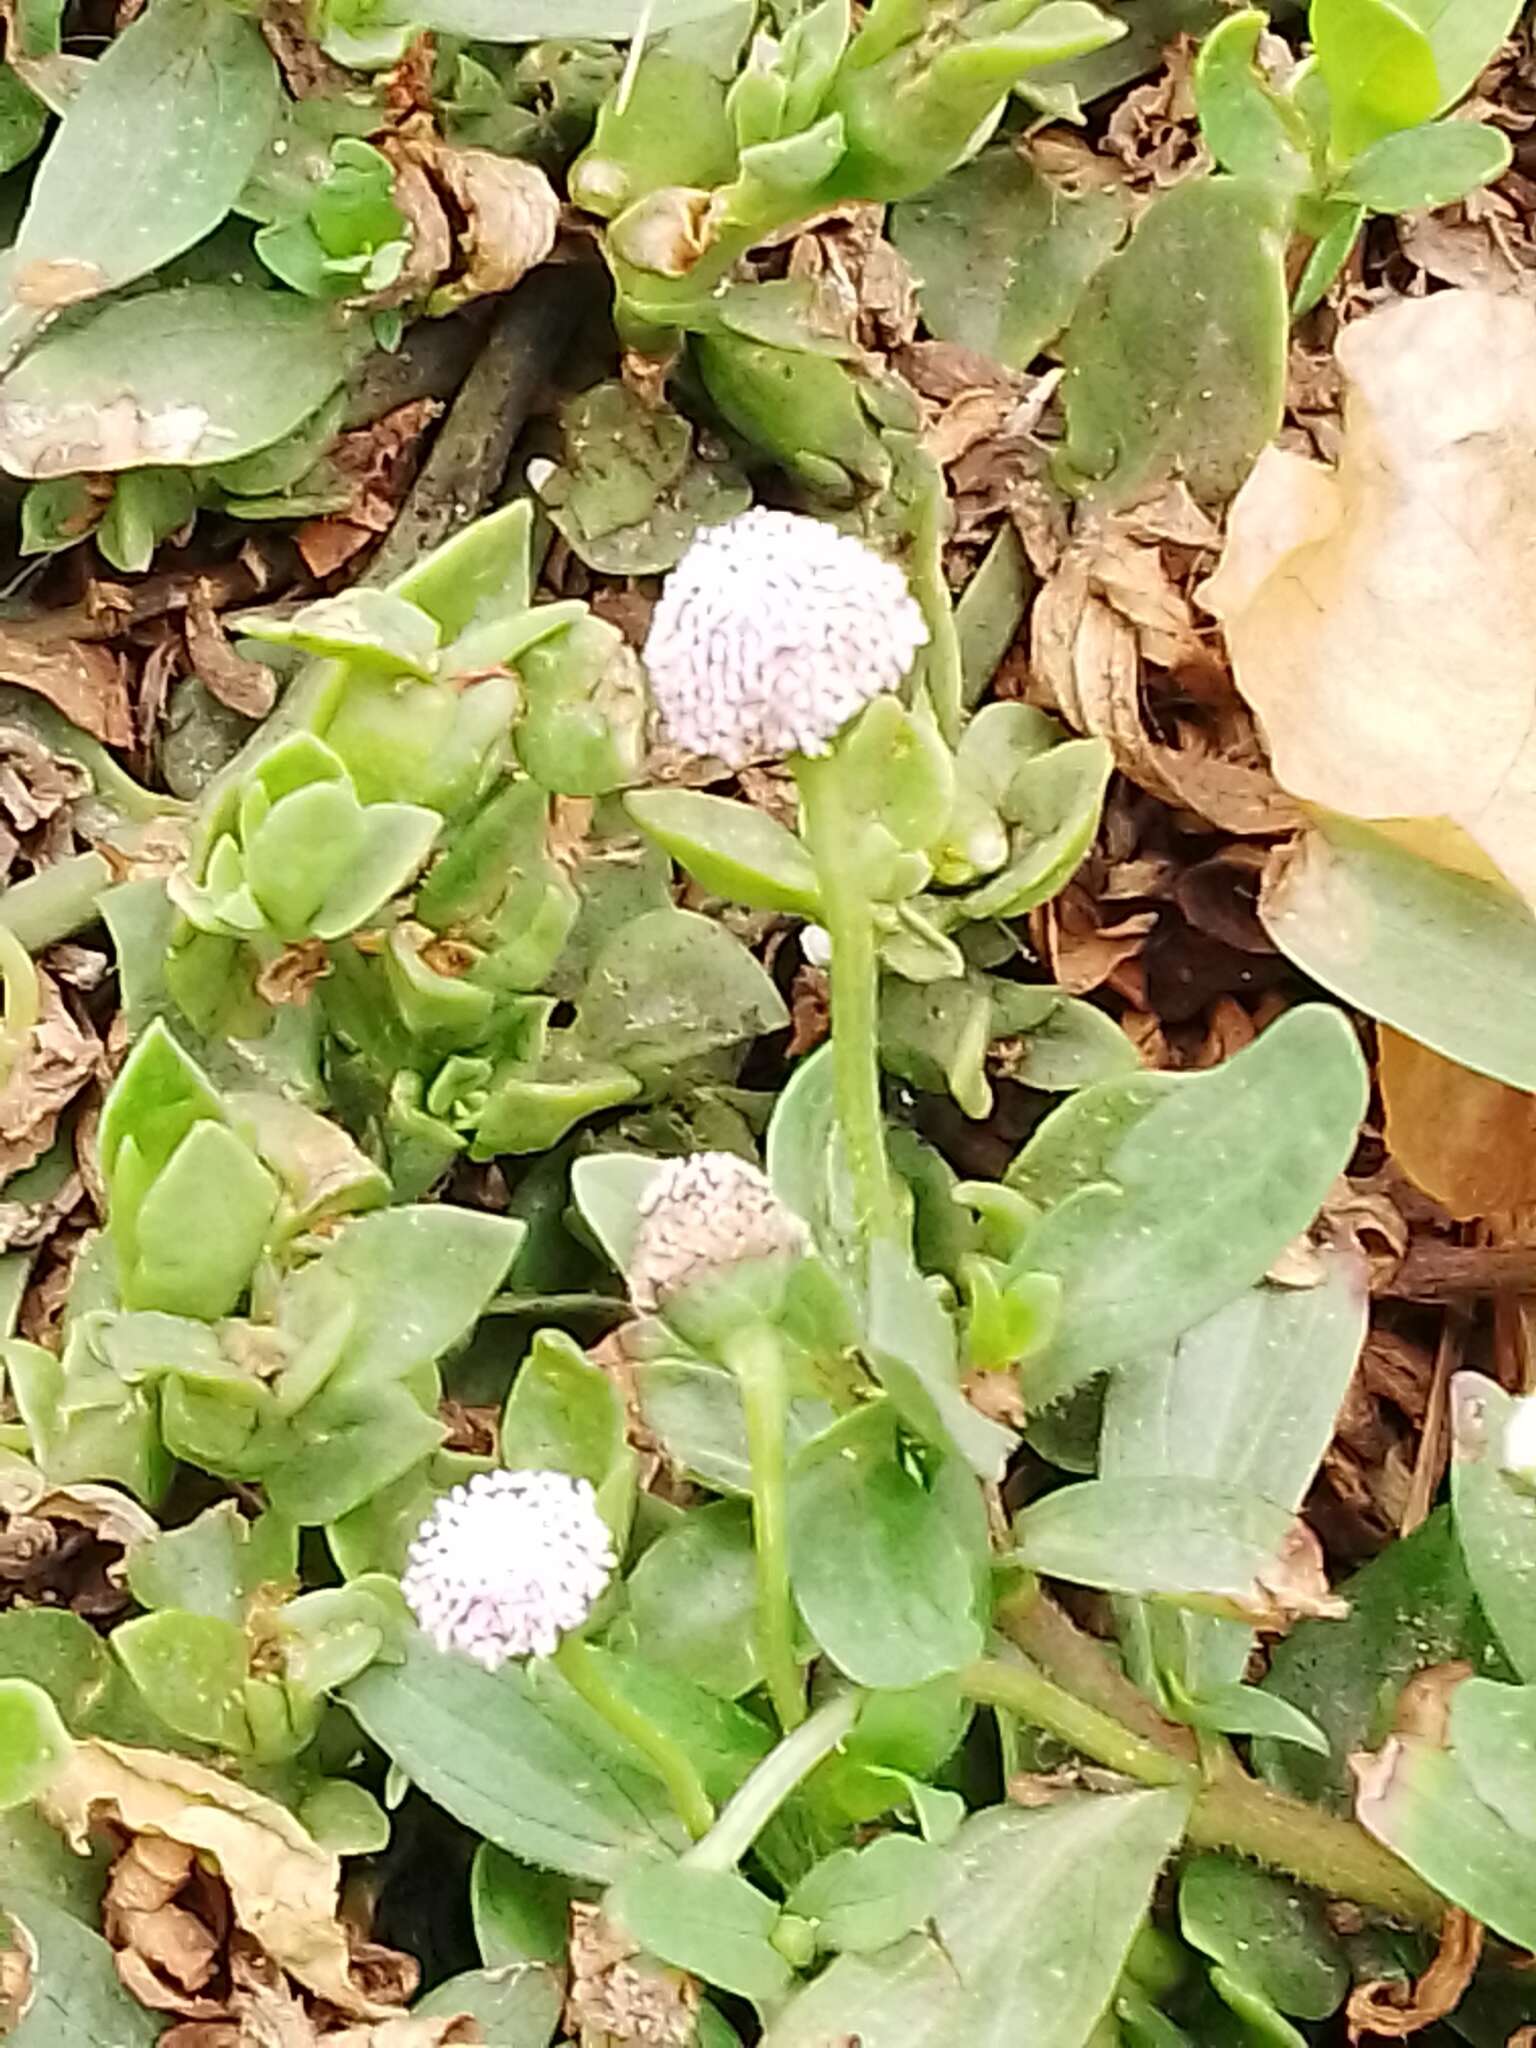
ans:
(282, 1884)
(1465, 1139)
(1380, 615)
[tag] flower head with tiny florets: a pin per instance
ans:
(703, 1213)
(507, 1564)
(771, 632)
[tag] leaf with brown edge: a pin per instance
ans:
(282, 1884)
(1379, 614)
(1418, 1800)
(1465, 1139)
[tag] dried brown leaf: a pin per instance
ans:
(621, 1996)
(58, 1058)
(282, 1884)
(426, 217)
(248, 687)
(1379, 615)
(1100, 615)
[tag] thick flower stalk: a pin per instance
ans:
(701, 1218)
(772, 633)
(510, 1566)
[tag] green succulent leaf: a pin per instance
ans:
(1495, 1517)
(1003, 254)
(711, 1922)
(1433, 165)
(1251, 130)
(1149, 397)
(34, 1743)
(1379, 67)
(188, 376)
(1421, 1802)
(118, 194)
(1167, 1194)
(514, 1761)
(887, 1565)
(1270, 1936)
(862, 1899)
(1031, 1933)
(734, 849)
(1194, 1542)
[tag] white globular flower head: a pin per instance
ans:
(507, 1564)
(771, 632)
(703, 1213)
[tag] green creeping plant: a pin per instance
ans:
(756, 1727)
(1355, 128)
(689, 169)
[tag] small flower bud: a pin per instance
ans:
(701, 1214)
(771, 632)
(507, 1564)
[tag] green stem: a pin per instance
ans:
(831, 832)
(22, 997)
(942, 664)
(56, 902)
(754, 1355)
(779, 1774)
(582, 1669)
(1233, 1812)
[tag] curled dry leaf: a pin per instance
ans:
(496, 217)
(1380, 614)
(1465, 1139)
(263, 2008)
(426, 217)
(1294, 1585)
(166, 1953)
(1105, 610)
(618, 1995)
(282, 1884)
(511, 215)
(58, 1058)
(36, 785)
(1387, 2009)
(248, 687)
(18, 1966)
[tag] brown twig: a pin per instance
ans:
(469, 456)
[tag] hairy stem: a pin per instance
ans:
(780, 1773)
(831, 832)
(755, 1357)
(1231, 1811)
(582, 1669)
